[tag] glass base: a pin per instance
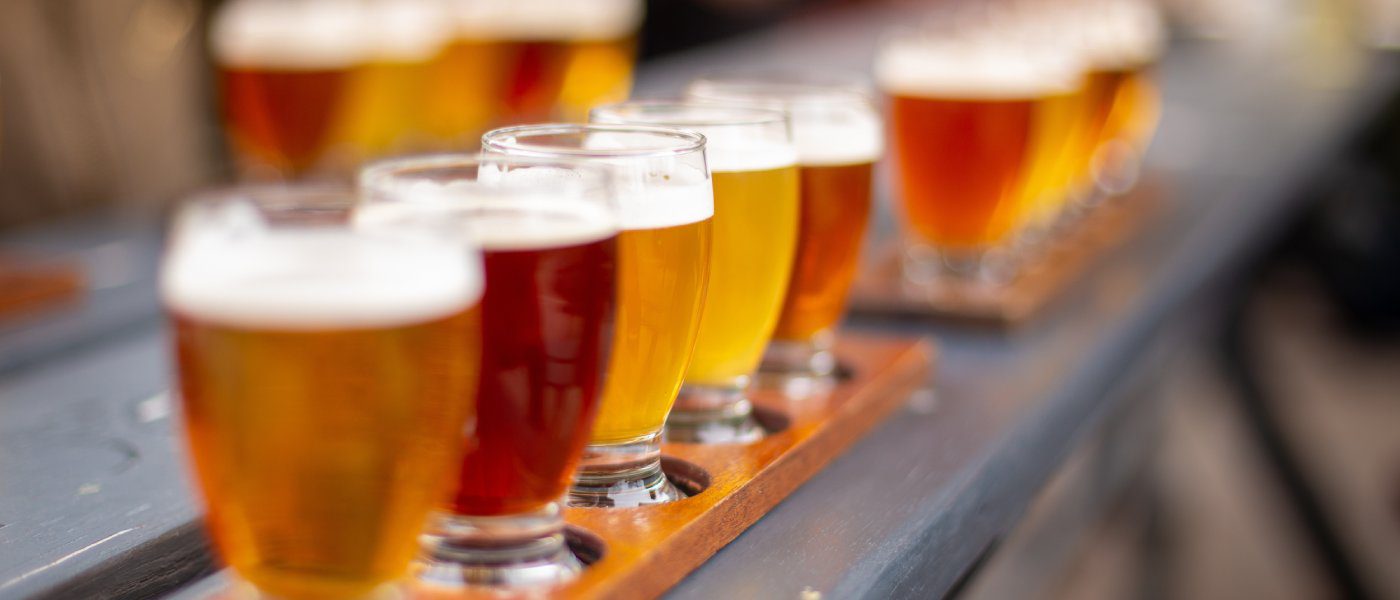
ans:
(513, 550)
(964, 270)
(713, 415)
(1116, 168)
(623, 475)
(800, 369)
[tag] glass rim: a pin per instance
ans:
(759, 115)
(381, 170)
(689, 142)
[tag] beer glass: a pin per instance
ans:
(326, 375)
(754, 167)
(283, 71)
(385, 92)
(838, 134)
(1122, 40)
(963, 113)
(519, 61)
(548, 232)
(667, 206)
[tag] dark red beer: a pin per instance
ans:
(546, 330)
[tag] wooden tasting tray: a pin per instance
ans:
(648, 549)
(30, 284)
(880, 290)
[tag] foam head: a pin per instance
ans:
(832, 124)
(406, 30)
(501, 209)
(1122, 35)
(288, 35)
(315, 278)
(737, 138)
(549, 19)
(974, 69)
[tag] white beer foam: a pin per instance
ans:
(729, 155)
(549, 19)
(974, 70)
(499, 219)
(311, 280)
(273, 34)
(667, 197)
(859, 139)
(1122, 35)
(406, 30)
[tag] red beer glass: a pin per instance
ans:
(548, 233)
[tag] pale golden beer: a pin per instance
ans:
(326, 377)
(838, 133)
(756, 204)
(666, 207)
(284, 69)
(513, 62)
(384, 101)
(1122, 40)
(662, 277)
(1059, 141)
(756, 218)
(963, 118)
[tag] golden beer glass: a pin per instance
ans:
(757, 206)
(964, 113)
(667, 207)
(1122, 41)
(284, 70)
(383, 106)
(326, 376)
(838, 133)
(519, 61)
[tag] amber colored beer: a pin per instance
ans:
(757, 210)
(961, 166)
(835, 211)
(324, 407)
(547, 322)
(963, 125)
(283, 73)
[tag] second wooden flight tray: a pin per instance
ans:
(646, 550)
(880, 290)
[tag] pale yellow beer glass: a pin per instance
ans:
(754, 165)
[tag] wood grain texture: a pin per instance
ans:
(649, 549)
(881, 289)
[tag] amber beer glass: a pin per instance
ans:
(838, 134)
(667, 207)
(548, 231)
(754, 167)
(326, 375)
(963, 120)
(283, 72)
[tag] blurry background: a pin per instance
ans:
(1267, 463)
